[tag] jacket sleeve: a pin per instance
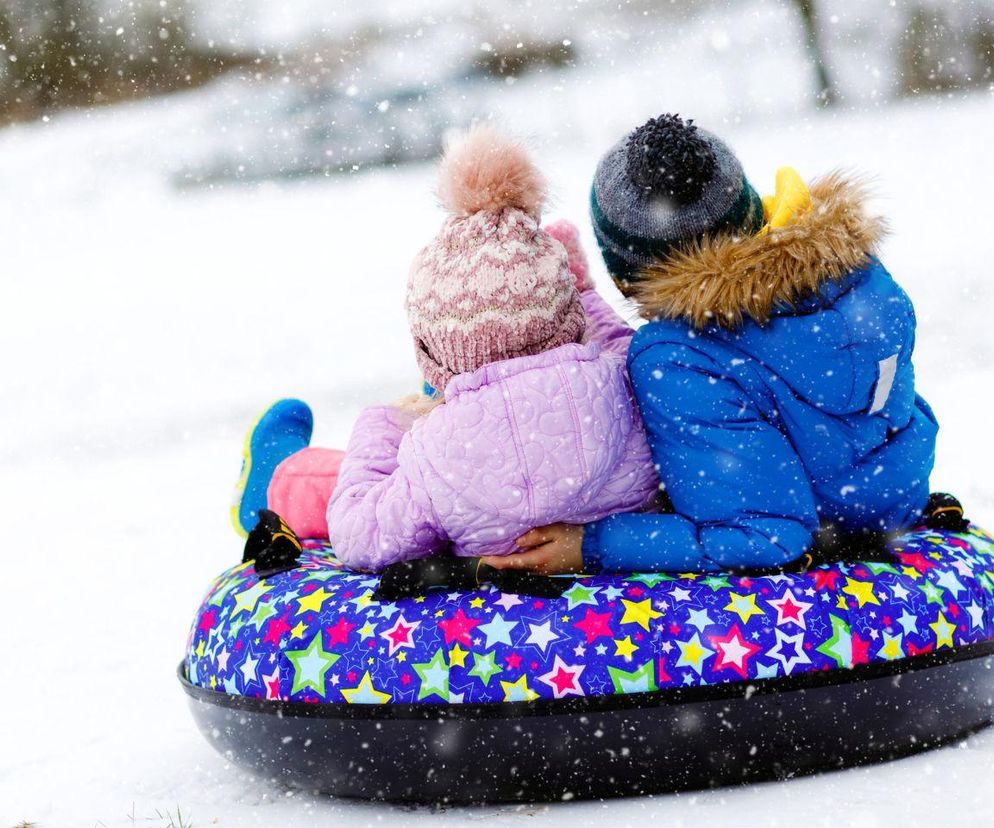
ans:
(380, 512)
(741, 496)
(604, 326)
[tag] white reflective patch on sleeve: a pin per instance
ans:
(886, 369)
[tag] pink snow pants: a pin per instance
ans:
(301, 487)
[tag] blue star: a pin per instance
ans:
(909, 622)
(699, 619)
(947, 580)
(762, 671)
(497, 630)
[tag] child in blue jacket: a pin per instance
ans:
(774, 376)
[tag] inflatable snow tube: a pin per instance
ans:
(626, 684)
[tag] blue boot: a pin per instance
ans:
(281, 430)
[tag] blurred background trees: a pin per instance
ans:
(314, 88)
(66, 53)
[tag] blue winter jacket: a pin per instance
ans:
(762, 432)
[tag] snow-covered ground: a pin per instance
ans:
(144, 326)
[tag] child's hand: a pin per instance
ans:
(416, 404)
(549, 550)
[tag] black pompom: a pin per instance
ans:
(668, 157)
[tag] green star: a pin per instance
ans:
(650, 579)
(310, 665)
(247, 599)
(717, 582)
(263, 610)
(932, 593)
(485, 667)
(877, 567)
(638, 681)
(217, 598)
(434, 676)
(579, 594)
(839, 646)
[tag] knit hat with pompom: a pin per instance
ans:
(493, 284)
(663, 187)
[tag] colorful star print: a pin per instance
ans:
(314, 634)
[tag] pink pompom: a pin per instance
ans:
(568, 236)
(484, 170)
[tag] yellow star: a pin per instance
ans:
(247, 599)
(312, 602)
(689, 576)
(624, 647)
(840, 602)
(639, 612)
(419, 600)
(366, 630)
(744, 605)
(518, 690)
(862, 591)
(943, 631)
(401, 656)
(439, 613)
(200, 650)
(365, 693)
(213, 682)
(564, 619)
(457, 656)
(936, 556)
(298, 631)
(476, 603)
(892, 647)
(911, 572)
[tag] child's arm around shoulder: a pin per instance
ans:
(380, 512)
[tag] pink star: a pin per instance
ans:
(458, 627)
(275, 629)
(272, 684)
(790, 610)
(734, 652)
(400, 634)
(208, 620)
(339, 634)
(594, 625)
(563, 678)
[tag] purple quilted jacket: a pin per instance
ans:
(521, 443)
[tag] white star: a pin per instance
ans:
(680, 594)
(541, 635)
(976, 615)
(222, 659)
(248, 668)
(791, 661)
(508, 600)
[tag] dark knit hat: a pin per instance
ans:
(664, 185)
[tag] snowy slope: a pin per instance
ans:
(144, 327)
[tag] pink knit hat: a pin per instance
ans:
(492, 285)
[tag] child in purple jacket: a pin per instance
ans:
(537, 423)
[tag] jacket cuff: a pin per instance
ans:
(590, 549)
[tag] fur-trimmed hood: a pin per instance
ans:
(723, 279)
